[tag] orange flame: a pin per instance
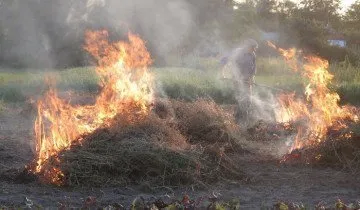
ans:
(320, 110)
(126, 87)
(289, 55)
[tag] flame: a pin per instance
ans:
(319, 109)
(126, 88)
(289, 55)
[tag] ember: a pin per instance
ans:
(293, 156)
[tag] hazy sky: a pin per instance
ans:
(346, 3)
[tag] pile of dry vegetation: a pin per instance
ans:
(341, 149)
(178, 143)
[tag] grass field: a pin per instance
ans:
(200, 123)
(183, 83)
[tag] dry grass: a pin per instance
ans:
(179, 143)
(204, 122)
(340, 149)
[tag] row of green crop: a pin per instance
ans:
(183, 83)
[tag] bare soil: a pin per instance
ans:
(268, 181)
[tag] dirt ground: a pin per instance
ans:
(268, 181)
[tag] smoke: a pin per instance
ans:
(41, 33)
(45, 33)
(23, 39)
(163, 24)
(254, 103)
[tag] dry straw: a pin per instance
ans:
(178, 143)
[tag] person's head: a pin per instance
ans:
(251, 45)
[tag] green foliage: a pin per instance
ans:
(311, 36)
(349, 93)
(305, 26)
(325, 10)
(190, 84)
(338, 54)
(187, 83)
(306, 33)
(353, 13)
(11, 93)
(286, 9)
(347, 81)
(345, 72)
(273, 66)
(80, 79)
(186, 203)
(2, 106)
(15, 86)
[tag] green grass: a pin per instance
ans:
(16, 85)
(202, 80)
(2, 106)
(347, 81)
(189, 84)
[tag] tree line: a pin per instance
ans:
(49, 33)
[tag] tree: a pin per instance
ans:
(353, 13)
(352, 23)
(244, 22)
(286, 9)
(326, 11)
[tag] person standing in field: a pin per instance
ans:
(246, 65)
(242, 63)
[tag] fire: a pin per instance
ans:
(289, 55)
(319, 109)
(126, 89)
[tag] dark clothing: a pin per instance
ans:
(225, 59)
(246, 63)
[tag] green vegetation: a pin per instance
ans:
(2, 105)
(347, 81)
(191, 202)
(184, 83)
(16, 86)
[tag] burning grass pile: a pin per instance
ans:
(177, 144)
(341, 149)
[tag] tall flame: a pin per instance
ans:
(320, 109)
(126, 87)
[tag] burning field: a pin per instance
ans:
(321, 124)
(127, 135)
(118, 140)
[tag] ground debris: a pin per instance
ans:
(18, 175)
(269, 131)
